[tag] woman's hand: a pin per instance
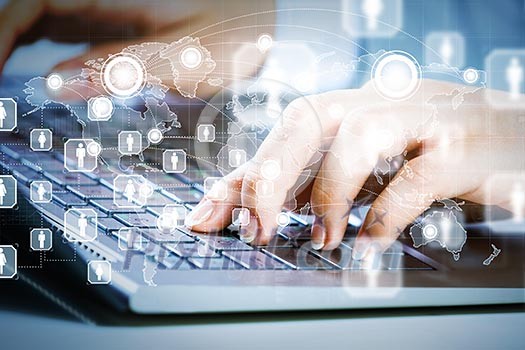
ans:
(458, 140)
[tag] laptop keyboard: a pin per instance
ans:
(183, 249)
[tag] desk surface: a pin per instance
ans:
(30, 321)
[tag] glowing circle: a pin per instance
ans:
(270, 169)
(470, 75)
(146, 190)
(102, 107)
(264, 42)
(430, 231)
(94, 149)
(54, 81)
(154, 136)
(396, 75)
(123, 75)
(283, 219)
(167, 223)
(191, 57)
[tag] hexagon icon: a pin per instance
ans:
(41, 191)
(129, 142)
(131, 191)
(41, 140)
(206, 133)
(8, 261)
(100, 108)
(174, 161)
(77, 159)
(99, 272)
(80, 225)
(41, 239)
(8, 192)
(130, 238)
(8, 114)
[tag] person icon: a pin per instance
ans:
(99, 271)
(3, 192)
(3, 115)
(514, 76)
(129, 191)
(82, 225)
(42, 140)
(42, 240)
(3, 261)
(174, 160)
(518, 202)
(41, 191)
(206, 133)
(243, 218)
(446, 50)
(238, 158)
(372, 9)
(130, 142)
(81, 155)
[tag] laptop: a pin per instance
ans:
(182, 271)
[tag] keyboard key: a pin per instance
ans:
(191, 249)
(300, 259)
(341, 256)
(185, 194)
(91, 192)
(223, 242)
(142, 220)
(158, 200)
(68, 199)
(41, 163)
(215, 263)
(109, 224)
(63, 179)
(52, 210)
(254, 260)
(26, 175)
(109, 206)
(157, 236)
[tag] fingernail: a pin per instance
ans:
(248, 233)
(318, 234)
(200, 213)
(361, 246)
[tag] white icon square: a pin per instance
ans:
(41, 192)
(130, 238)
(206, 133)
(41, 140)
(241, 217)
(174, 161)
(130, 142)
(215, 188)
(236, 157)
(99, 272)
(80, 225)
(41, 239)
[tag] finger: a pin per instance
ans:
(212, 213)
(412, 191)
(287, 151)
(365, 136)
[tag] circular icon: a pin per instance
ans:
(54, 81)
(154, 136)
(146, 190)
(430, 231)
(166, 223)
(264, 42)
(191, 57)
(470, 76)
(94, 149)
(270, 169)
(123, 75)
(396, 75)
(283, 219)
(102, 107)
